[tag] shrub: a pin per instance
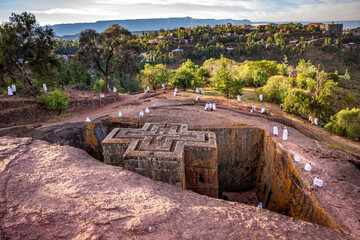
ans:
(54, 100)
(298, 102)
(301, 81)
(276, 88)
(346, 123)
(99, 85)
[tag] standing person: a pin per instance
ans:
(214, 106)
(197, 90)
(310, 119)
(261, 97)
(281, 106)
(13, 87)
(275, 131)
(316, 121)
(44, 87)
(285, 134)
(10, 91)
(239, 98)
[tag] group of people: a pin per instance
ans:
(210, 107)
(285, 132)
(316, 120)
(12, 90)
(253, 109)
(199, 90)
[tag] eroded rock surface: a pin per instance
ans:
(60, 192)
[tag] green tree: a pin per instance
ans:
(186, 76)
(298, 102)
(226, 84)
(26, 51)
(204, 75)
(154, 75)
(276, 88)
(79, 72)
(259, 78)
(322, 98)
(346, 123)
(100, 49)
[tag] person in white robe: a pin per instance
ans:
(310, 119)
(261, 97)
(316, 121)
(197, 98)
(141, 113)
(285, 134)
(87, 119)
(210, 107)
(13, 87)
(263, 110)
(260, 205)
(254, 107)
(147, 110)
(176, 89)
(206, 107)
(10, 91)
(239, 98)
(308, 167)
(251, 110)
(163, 86)
(197, 90)
(275, 131)
(297, 158)
(318, 182)
(175, 93)
(114, 89)
(148, 89)
(44, 87)
(120, 114)
(214, 106)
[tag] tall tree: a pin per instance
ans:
(26, 51)
(101, 49)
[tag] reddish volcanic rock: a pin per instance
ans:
(60, 192)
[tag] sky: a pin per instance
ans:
(72, 11)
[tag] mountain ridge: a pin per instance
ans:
(143, 24)
(153, 24)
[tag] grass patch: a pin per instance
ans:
(333, 146)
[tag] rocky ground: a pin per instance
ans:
(54, 192)
(61, 192)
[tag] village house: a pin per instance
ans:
(333, 29)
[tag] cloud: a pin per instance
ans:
(255, 10)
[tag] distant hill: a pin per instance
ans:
(143, 24)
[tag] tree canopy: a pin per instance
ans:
(101, 49)
(26, 52)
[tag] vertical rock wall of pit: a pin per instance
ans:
(248, 158)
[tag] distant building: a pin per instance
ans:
(355, 31)
(310, 24)
(334, 29)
